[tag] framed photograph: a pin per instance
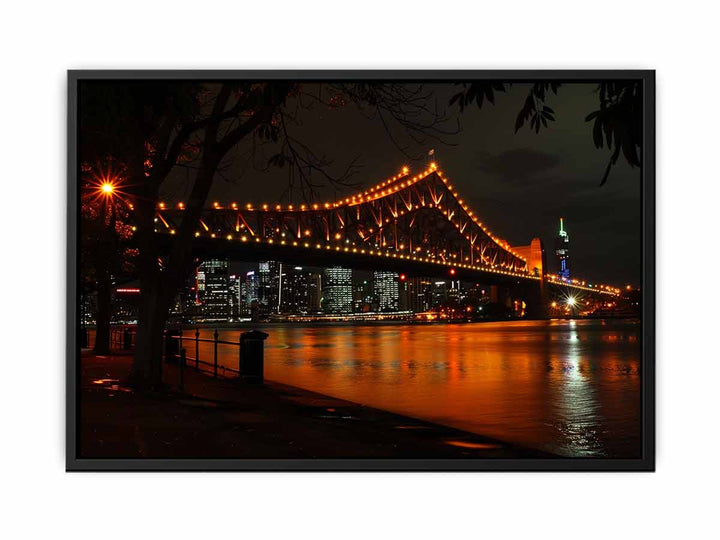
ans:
(361, 270)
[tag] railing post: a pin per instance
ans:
(126, 338)
(215, 361)
(182, 369)
(197, 349)
(251, 356)
(164, 344)
(180, 345)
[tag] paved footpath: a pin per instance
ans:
(224, 418)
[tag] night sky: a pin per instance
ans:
(518, 184)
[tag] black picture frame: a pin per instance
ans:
(645, 463)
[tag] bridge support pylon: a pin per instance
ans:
(535, 301)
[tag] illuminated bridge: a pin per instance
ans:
(409, 223)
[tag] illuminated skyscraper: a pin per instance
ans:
(385, 286)
(269, 287)
(363, 299)
(439, 293)
(562, 250)
(251, 286)
(214, 291)
(454, 293)
(234, 294)
(298, 291)
(249, 290)
(337, 292)
(415, 294)
(314, 285)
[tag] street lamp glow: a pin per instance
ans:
(571, 301)
(107, 188)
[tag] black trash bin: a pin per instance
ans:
(172, 344)
(127, 339)
(252, 344)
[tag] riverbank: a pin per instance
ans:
(224, 418)
(241, 325)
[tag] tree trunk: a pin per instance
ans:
(158, 288)
(152, 315)
(102, 332)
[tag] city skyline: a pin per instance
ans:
(271, 289)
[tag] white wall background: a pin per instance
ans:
(39, 42)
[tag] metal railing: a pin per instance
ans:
(211, 365)
(122, 337)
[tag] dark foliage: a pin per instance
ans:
(617, 124)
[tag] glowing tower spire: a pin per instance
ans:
(562, 250)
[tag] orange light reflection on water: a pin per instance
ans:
(569, 387)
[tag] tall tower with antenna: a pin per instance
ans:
(562, 250)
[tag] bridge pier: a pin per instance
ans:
(526, 300)
(500, 295)
(535, 297)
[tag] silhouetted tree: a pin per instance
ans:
(104, 230)
(153, 127)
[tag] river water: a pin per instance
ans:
(568, 387)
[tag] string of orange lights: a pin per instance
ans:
(392, 185)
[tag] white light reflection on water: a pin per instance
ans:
(579, 416)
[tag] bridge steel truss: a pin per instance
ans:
(418, 218)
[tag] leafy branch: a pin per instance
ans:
(617, 123)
